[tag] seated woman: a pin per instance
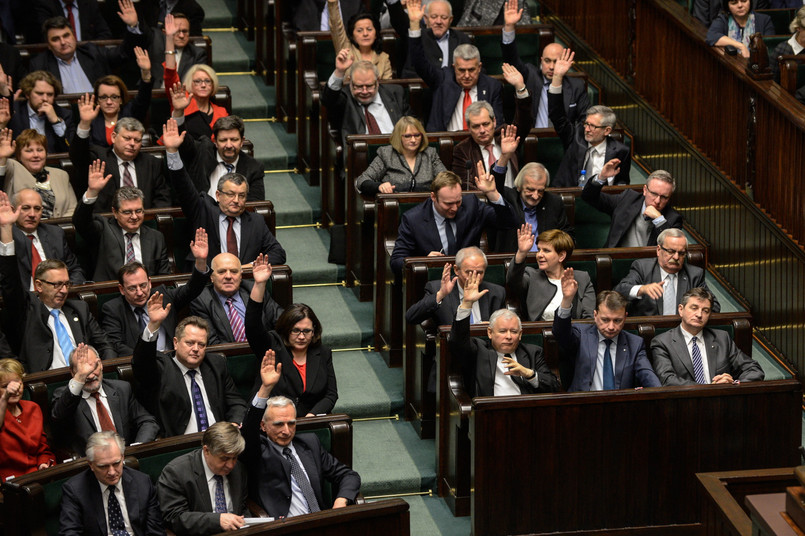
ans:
(308, 377)
(794, 46)
(111, 95)
(736, 24)
(22, 437)
(29, 171)
(362, 37)
(200, 113)
(406, 165)
(540, 291)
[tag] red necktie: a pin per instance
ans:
(371, 122)
(465, 105)
(103, 416)
(68, 9)
(127, 180)
(35, 258)
(231, 239)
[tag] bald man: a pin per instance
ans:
(223, 303)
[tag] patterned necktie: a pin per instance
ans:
(609, 374)
(235, 321)
(68, 10)
(451, 237)
(696, 357)
(231, 239)
(62, 336)
(371, 123)
(198, 402)
(302, 481)
(35, 258)
(220, 499)
(669, 296)
(229, 167)
(141, 320)
(490, 158)
(117, 526)
(127, 180)
(103, 416)
(130, 248)
(465, 105)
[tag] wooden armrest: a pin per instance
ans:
(255, 508)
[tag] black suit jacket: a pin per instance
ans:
(107, 235)
(624, 208)
(120, 322)
(550, 212)
(148, 168)
(136, 108)
(72, 422)
(443, 314)
(346, 115)
(270, 482)
(163, 393)
(644, 271)
(54, 242)
(572, 136)
(26, 322)
(671, 360)
(184, 495)
(56, 144)
(82, 511)
(90, 18)
(191, 55)
(306, 14)
(208, 306)
(202, 157)
(203, 211)
(319, 392)
(479, 360)
(446, 91)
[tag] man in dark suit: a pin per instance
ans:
(223, 303)
(109, 498)
(450, 221)
(190, 391)
(656, 286)
(90, 403)
(588, 144)
(485, 143)
(695, 354)
(637, 220)
(453, 89)
(597, 364)
(533, 205)
(348, 108)
(38, 111)
(49, 241)
(231, 228)
(125, 317)
(187, 54)
(500, 366)
(209, 160)
(537, 80)
(154, 13)
(287, 470)
(88, 62)
(311, 15)
(124, 161)
(89, 22)
(204, 491)
(43, 328)
(438, 39)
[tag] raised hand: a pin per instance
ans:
(179, 98)
(261, 269)
(415, 13)
(127, 12)
(156, 313)
(87, 110)
(471, 292)
(170, 26)
(509, 140)
(12, 390)
(525, 240)
(7, 145)
(84, 363)
(171, 137)
(448, 283)
(513, 76)
(5, 112)
(200, 246)
(483, 180)
(343, 61)
(563, 65)
(270, 373)
(611, 169)
(96, 181)
(652, 290)
(569, 287)
(7, 213)
(511, 15)
(143, 60)
(5, 83)
(386, 188)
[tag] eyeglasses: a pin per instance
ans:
(663, 197)
(57, 285)
(367, 87)
(590, 125)
(135, 288)
(412, 136)
(682, 253)
(137, 211)
(229, 195)
(306, 332)
(202, 82)
(182, 32)
(113, 98)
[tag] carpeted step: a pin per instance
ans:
(430, 516)
(391, 458)
(251, 98)
(295, 201)
(231, 52)
(218, 13)
(307, 250)
(342, 316)
(274, 147)
(366, 386)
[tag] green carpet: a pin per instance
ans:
(273, 147)
(366, 386)
(307, 250)
(296, 202)
(332, 306)
(253, 96)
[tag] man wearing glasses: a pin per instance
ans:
(656, 286)
(231, 228)
(588, 145)
(42, 326)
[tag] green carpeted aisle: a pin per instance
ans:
(388, 454)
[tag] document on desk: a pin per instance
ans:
(255, 521)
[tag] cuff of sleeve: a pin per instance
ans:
(534, 382)
(500, 201)
(75, 387)
(259, 403)
(7, 250)
(556, 90)
(148, 336)
(414, 33)
(88, 200)
(82, 133)
(59, 128)
(519, 95)
(461, 314)
(508, 37)
(179, 120)
(633, 291)
(335, 83)
(562, 312)
(499, 169)
(659, 221)
(174, 161)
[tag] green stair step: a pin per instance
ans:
(295, 201)
(231, 52)
(273, 147)
(251, 97)
(430, 516)
(338, 311)
(366, 386)
(307, 250)
(218, 14)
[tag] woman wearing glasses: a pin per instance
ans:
(308, 377)
(406, 165)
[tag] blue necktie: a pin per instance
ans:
(117, 526)
(696, 357)
(220, 499)
(609, 375)
(65, 343)
(451, 237)
(198, 402)
(229, 167)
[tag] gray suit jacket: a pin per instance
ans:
(644, 271)
(671, 359)
(536, 292)
(390, 166)
(184, 495)
(71, 416)
(209, 307)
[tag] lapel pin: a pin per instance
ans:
(75, 319)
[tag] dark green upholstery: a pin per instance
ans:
(592, 226)
(550, 151)
(495, 273)
(584, 266)
(243, 369)
(724, 327)
(325, 58)
(153, 465)
(52, 495)
(492, 56)
(773, 40)
(780, 18)
(325, 438)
